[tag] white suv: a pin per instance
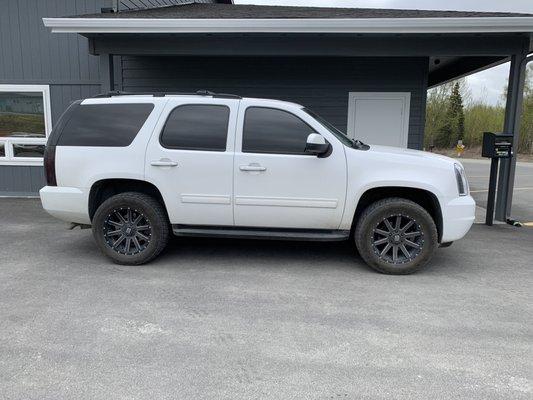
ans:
(138, 167)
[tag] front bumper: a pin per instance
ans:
(458, 215)
(66, 203)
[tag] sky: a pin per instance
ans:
(488, 84)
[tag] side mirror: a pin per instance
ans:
(317, 145)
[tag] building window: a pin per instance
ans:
(25, 123)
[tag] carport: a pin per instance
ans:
(365, 70)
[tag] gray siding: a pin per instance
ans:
(21, 180)
(321, 84)
(30, 54)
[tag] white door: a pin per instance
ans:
(379, 118)
(190, 159)
(276, 184)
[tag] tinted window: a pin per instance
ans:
(326, 124)
(268, 130)
(196, 127)
(113, 125)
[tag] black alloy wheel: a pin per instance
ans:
(396, 236)
(127, 231)
(131, 228)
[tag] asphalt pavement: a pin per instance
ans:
(230, 319)
(478, 172)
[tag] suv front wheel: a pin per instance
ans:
(131, 228)
(396, 236)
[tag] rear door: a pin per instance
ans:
(190, 159)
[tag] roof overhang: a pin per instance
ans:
(301, 25)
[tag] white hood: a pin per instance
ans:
(398, 151)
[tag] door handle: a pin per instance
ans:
(164, 163)
(252, 167)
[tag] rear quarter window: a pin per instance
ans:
(105, 125)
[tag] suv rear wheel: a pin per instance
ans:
(131, 228)
(396, 236)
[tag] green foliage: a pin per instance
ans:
(525, 144)
(453, 127)
(449, 119)
(481, 118)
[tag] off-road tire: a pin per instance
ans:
(377, 212)
(140, 204)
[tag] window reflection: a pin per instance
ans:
(28, 150)
(22, 115)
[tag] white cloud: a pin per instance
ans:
(489, 85)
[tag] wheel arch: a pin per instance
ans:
(104, 189)
(422, 197)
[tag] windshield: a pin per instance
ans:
(337, 133)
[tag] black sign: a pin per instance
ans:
(497, 145)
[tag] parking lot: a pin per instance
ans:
(223, 319)
(478, 172)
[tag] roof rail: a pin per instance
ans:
(114, 93)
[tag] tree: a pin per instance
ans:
(435, 113)
(454, 124)
(526, 126)
(452, 114)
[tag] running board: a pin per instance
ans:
(321, 235)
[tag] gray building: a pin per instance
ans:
(365, 70)
(40, 74)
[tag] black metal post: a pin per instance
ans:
(489, 218)
(515, 94)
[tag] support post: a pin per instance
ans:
(107, 77)
(513, 111)
(489, 218)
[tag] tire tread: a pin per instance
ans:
(161, 221)
(360, 235)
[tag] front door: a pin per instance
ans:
(190, 159)
(276, 183)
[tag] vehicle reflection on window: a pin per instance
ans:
(28, 150)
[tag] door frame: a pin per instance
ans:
(404, 96)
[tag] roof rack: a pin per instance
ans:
(114, 93)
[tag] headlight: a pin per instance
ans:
(462, 182)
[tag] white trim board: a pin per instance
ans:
(8, 141)
(45, 90)
(352, 117)
(291, 25)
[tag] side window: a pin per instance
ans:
(269, 130)
(107, 125)
(196, 127)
